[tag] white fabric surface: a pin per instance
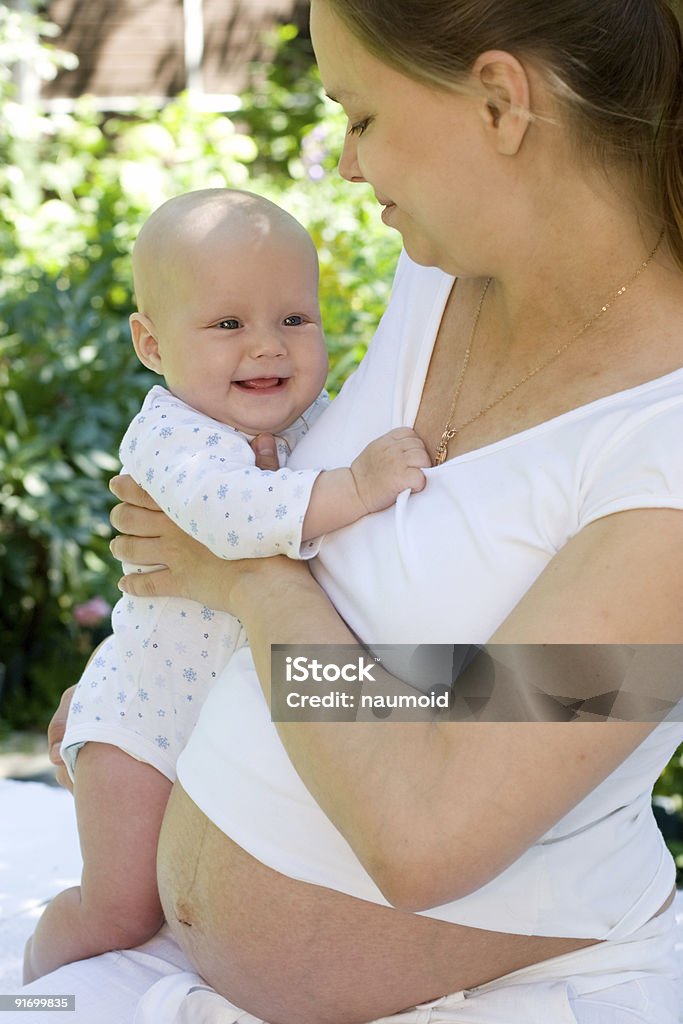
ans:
(631, 981)
(39, 856)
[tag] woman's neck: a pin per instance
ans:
(560, 277)
(559, 240)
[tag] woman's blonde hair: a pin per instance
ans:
(615, 65)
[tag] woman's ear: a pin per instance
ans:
(145, 342)
(506, 107)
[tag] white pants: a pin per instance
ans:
(632, 981)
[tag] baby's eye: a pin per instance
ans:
(293, 321)
(231, 324)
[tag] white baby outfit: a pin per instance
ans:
(144, 688)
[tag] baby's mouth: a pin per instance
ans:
(260, 383)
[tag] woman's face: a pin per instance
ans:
(419, 147)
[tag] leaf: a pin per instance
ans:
(15, 405)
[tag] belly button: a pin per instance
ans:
(183, 913)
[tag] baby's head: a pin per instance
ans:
(226, 285)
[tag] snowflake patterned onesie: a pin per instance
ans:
(145, 687)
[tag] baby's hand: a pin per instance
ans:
(389, 465)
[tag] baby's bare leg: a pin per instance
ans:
(120, 803)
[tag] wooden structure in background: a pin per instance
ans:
(161, 47)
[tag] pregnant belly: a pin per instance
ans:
(294, 953)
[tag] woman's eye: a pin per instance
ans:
(359, 127)
(229, 325)
(293, 321)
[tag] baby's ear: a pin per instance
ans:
(145, 342)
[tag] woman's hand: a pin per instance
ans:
(55, 735)
(149, 537)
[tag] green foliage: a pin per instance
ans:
(669, 793)
(284, 101)
(670, 783)
(74, 190)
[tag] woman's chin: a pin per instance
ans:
(422, 253)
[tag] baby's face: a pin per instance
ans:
(241, 338)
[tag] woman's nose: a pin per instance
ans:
(348, 161)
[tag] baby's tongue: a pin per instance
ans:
(260, 382)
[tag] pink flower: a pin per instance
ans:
(92, 612)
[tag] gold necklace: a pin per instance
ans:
(450, 431)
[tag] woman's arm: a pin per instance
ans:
(435, 810)
(432, 810)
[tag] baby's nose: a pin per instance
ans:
(268, 343)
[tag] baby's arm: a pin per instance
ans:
(389, 465)
(203, 475)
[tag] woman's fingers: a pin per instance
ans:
(57, 727)
(147, 537)
(265, 451)
(151, 584)
(142, 550)
(125, 489)
(138, 515)
(181, 564)
(63, 779)
(137, 521)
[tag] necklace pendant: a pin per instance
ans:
(442, 448)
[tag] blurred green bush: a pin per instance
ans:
(74, 189)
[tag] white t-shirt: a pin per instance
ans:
(447, 566)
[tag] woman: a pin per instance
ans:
(500, 872)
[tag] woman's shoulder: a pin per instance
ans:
(638, 462)
(649, 408)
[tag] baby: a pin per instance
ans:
(227, 289)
